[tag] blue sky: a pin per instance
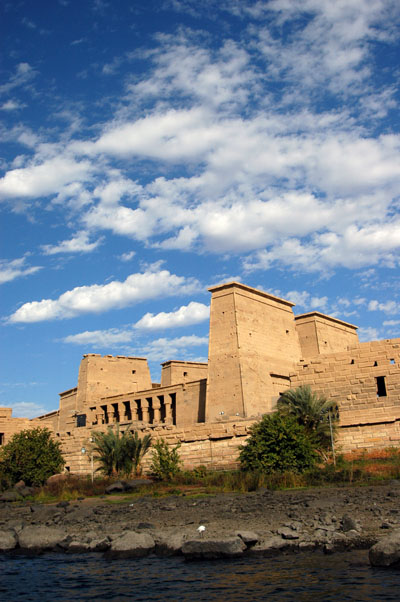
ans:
(153, 149)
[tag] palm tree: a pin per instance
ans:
(119, 453)
(137, 448)
(315, 412)
(111, 451)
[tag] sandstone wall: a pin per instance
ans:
(9, 426)
(252, 339)
(214, 446)
(174, 372)
(365, 383)
(101, 376)
(320, 334)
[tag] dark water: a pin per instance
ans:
(298, 577)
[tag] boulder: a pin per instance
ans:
(272, 545)
(288, 533)
(99, 545)
(10, 496)
(57, 478)
(349, 523)
(8, 541)
(77, 547)
(249, 537)
(25, 491)
(169, 545)
(131, 545)
(39, 538)
(133, 484)
(387, 551)
(117, 487)
(43, 514)
(226, 547)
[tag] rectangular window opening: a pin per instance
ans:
(380, 386)
(392, 361)
(81, 420)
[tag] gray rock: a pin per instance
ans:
(249, 537)
(8, 541)
(145, 526)
(349, 523)
(44, 514)
(62, 504)
(272, 545)
(117, 487)
(79, 514)
(77, 547)
(132, 545)
(387, 551)
(99, 545)
(10, 496)
(227, 547)
(137, 483)
(169, 545)
(38, 538)
(287, 533)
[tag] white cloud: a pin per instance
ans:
(100, 338)
(318, 302)
(26, 409)
(178, 348)
(11, 105)
(78, 244)
(127, 256)
(301, 298)
(194, 313)
(43, 179)
(368, 333)
(389, 307)
(152, 284)
(391, 322)
(22, 76)
(16, 268)
(250, 167)
(353, 248)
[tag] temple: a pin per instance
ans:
(258, 348)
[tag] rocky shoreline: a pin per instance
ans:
(263, 523)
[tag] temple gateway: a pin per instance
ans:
(258, 348)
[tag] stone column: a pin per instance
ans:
(145, 410)
(157, 410)
(168, 411)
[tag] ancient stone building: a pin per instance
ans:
(258, 348)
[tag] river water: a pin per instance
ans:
(307, 576)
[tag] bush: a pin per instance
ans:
(278, 443)
(32, 456)
(166, 462)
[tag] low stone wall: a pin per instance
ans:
(369, 436)
(215, 446)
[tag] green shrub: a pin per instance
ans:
(32, 456)
(166, 462)
(278, 443)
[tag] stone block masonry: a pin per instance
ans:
(365, 383)
(258, 349)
